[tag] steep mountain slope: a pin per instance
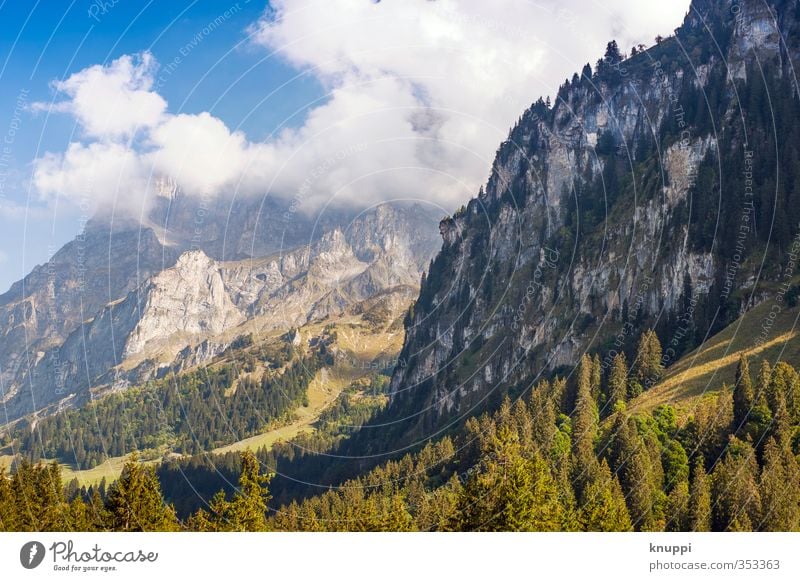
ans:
(196, 307)
(646, 195)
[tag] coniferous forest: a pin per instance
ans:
(566, 456)
(187, 413)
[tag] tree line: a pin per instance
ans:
(34, 499)
(530, 466)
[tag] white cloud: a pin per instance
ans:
(198, 151)
(99, 173)
(115, 100)
(436, 85)
(420, 95)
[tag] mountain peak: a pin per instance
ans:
(193, 260)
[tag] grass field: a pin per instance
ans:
(110, 470)
(6, 460)
(759, 334)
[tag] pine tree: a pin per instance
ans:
(8, 516)
(781, 385)
(438, 512)
(135, 503)
(249, 505)
(743, 394)
(585, 418)
(512, 491)
(737, 502)
(96, 508)
(612, 54)
(53, 514)
(678, 507)
(648, 367)
(602, 505)
(617, 382)
(596, 380)
(246, 511)
(543, 412)
(80, 519)
(700, 498)
(210, 521)
(764, 377)
(641, 491)
(621, 442)
(779, 489)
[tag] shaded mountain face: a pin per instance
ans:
(646, 195)
(119, 306)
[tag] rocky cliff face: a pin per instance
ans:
(41, 311)
(170, 307)
(617, 208)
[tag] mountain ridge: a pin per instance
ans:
(188, 306)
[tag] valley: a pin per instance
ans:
(604, 338)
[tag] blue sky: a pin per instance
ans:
(56, 39)
(260, 97)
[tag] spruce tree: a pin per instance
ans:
(737, 501)
(53, 514)
(80, 518)
(135, 503)
(621, 441)
(677, 516)
(8, 517)
(764, 377)
(249, 505)
(700, 498)
(743, 394)
(648, 367)
(641, 491)
(596, 380)
(512, 491)
(246, 511)
(585, 417)
(601, 507)
(617, 382)
(779, 489)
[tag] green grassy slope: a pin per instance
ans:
(769, 331)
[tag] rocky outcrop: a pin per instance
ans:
(189, 298)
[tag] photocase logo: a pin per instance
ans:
(31, 554)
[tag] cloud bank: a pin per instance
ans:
(419, 94)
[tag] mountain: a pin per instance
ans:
(117, 307)
(40, 312)
(646, 195)
(581, 355)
